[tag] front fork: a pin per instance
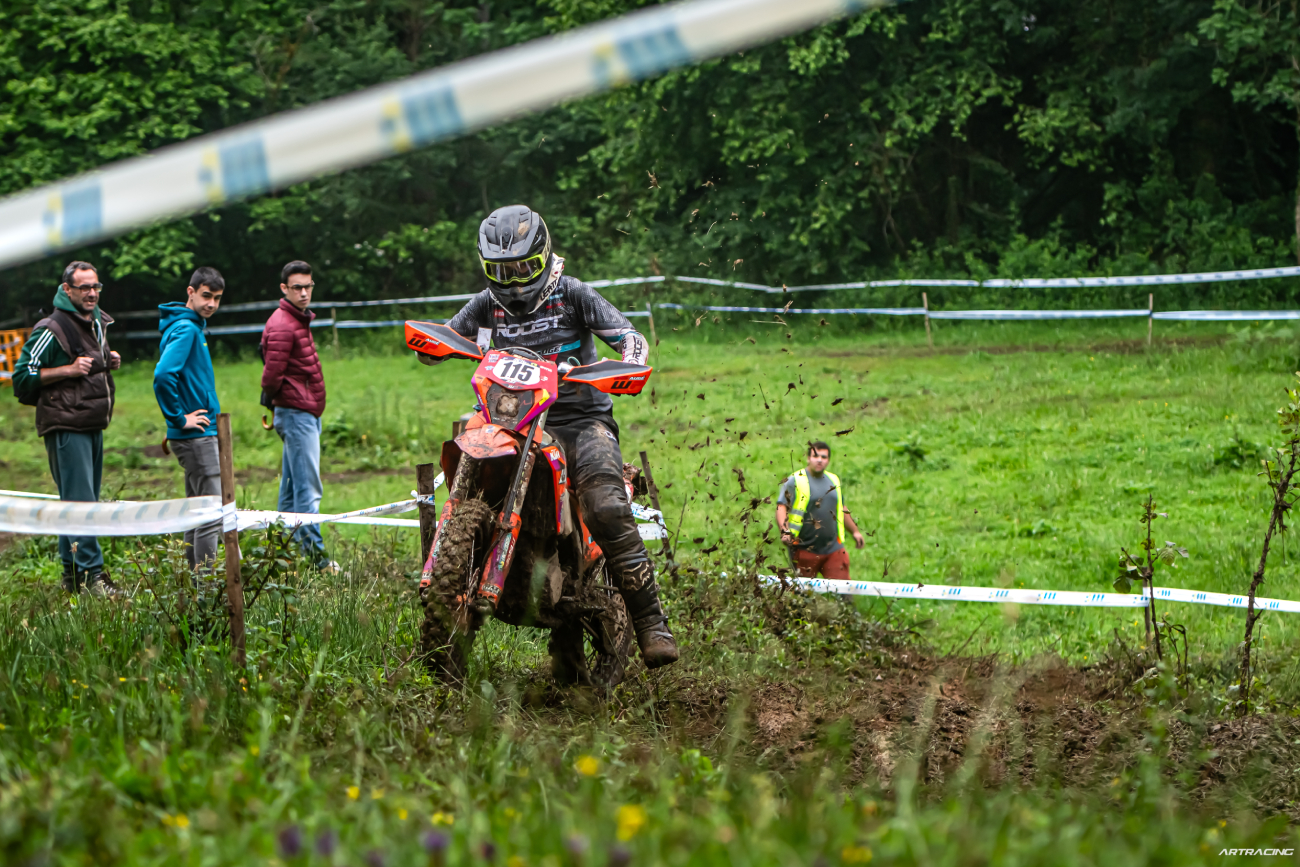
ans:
(503, 549)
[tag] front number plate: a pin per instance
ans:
(517, 371)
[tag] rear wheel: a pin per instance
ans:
(593, 648)
(447, 634)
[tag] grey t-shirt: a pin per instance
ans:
(820, 530)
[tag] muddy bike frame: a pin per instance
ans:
(515, 388)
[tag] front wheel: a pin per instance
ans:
(447, 634)
(593, 649)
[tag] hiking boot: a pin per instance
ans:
(100, 584)
(70, 583)
(658, 647)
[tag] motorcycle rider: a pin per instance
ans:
(530, 303)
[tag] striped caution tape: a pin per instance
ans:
(45, 514)
(650, 523)
(1226, 315)
(1012, 315)
(1140, 280)
(1008, 315)
(393, 118)
(256, 519)
(879, 311)
(30, 515)
(1025, 596)
(1022, 282)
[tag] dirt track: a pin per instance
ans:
(972, 719)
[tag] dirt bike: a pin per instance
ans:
(510, 542)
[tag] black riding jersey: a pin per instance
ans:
(560, 329)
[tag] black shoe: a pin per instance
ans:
(658, 647)
(70, 583)
(100, 584)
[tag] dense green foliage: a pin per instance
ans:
(939, 138)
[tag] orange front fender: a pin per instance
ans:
(488, 441)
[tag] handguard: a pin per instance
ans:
(611, 377)
(439, 341)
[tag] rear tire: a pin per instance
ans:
(593, 650)
(447, 634)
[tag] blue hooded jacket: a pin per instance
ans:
(183, 381)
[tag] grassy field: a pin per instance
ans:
(795, 730)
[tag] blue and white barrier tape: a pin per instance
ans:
(51, 516)
(1226, 315)
(1208, 315)
(1022, 282)
(46, 514)
(393, 118)
(998, 315)
(40, 516)
(1025, 596)
(880, 311)
(1011, 315)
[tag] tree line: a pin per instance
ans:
(935, 138)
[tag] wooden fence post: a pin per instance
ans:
(925, 302)
(1151, 309)
(654, 501)
(424, 478)
(334, 326)
(234, 582)
(654, 341)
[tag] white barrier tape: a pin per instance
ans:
(393, 118)
(1025, 596)
(319, 304)
(46, 514)
(880, 311)
(1022, 282)
(990, 315)
(1226, 315)
(61, 517)
(431, 299)
(1009, 315)
(650, 523)
(252, 328)
(256, 519)
(26, 494)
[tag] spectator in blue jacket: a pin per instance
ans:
(186, 389)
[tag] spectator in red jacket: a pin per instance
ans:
(292, 379)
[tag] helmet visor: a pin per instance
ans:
(519, 271)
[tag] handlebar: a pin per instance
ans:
(523, 352)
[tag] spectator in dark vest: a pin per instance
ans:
(64, 372)
(292, 379)
(186, 389)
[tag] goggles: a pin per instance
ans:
(521, 271)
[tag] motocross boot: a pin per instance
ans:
(641, 596)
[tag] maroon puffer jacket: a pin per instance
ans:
(292, 373)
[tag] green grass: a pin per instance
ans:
(1035, 462)
(1034, 467)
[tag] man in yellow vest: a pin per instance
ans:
(810, 512)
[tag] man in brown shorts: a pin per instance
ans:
(810, 512)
